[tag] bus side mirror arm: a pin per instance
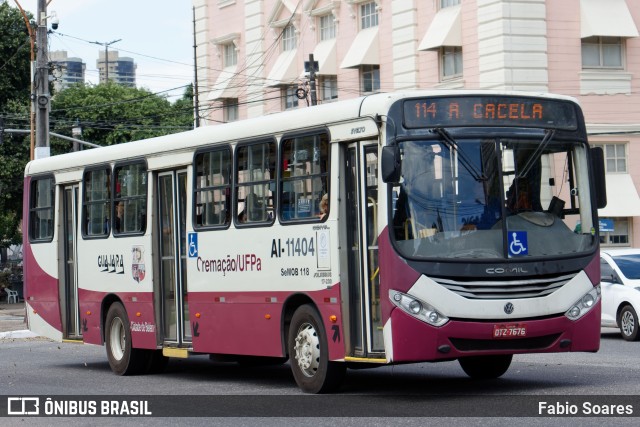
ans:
(391, 164)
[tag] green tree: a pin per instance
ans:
(15, 51)
(112, 114)
(15, 87)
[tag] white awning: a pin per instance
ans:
(445, 29)
(365, 50)
(225, 86)
(325, 54)
(284, 70)
(606, 18)
(622, 197)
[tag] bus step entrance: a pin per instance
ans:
(182, 353)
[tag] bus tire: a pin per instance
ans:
(628, 323)
(123, 359)
(485, 367)
(309, 353)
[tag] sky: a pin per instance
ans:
(157, 34)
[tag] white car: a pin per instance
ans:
(620, 283)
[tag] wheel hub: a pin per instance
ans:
(307, 349)
(628, 323)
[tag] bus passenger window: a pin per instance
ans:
(41, 210)
(255, 182)
(130, 201)
(212, 193)
(97, 202)
(305, 177)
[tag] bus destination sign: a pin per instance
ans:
(489, 111)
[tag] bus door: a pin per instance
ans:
(171, 224)
(361, 182)
(70, 309)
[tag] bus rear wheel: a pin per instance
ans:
(309, 353)
(123, 358)
(485, 367)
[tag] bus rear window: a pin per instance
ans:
(41, 210)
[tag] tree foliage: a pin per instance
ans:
(15, 51)
(112, 114)
(108, 114)
(15, 87)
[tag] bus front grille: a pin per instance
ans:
(508, 289)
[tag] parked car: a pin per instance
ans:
(620, 284)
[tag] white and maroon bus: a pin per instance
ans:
(394, 228)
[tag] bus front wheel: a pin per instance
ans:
(485, 367)
(309, 353)
(123, 358)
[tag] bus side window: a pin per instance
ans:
(305, 177)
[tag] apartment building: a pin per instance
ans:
(66, 70)
(116, 68)
(251, 56)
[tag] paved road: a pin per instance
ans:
(398, 395)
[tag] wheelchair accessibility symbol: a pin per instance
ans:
(518, 245)
(193, 245)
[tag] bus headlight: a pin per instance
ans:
(584, 304)
(419, 309)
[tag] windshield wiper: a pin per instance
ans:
(466, 162)
(548, 136)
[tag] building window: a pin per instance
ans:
(451, 61)
(327, 27)
(230, 55)
(213, 188)
(370, 78)
(130, 199)
(41, 210)
(368, 15)
(615, 156)
(448, 3)
(328, 88)
(255, 182)
(620, 235)
(289, 97)
(230, 109)
(602, 52)
(289, 38)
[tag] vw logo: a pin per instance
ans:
(508, 308)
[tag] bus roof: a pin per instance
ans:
(271, 124)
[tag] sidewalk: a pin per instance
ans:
(12, 319)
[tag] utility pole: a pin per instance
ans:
(196, 103)
(312, 67)
(106, 57)
(41, 78)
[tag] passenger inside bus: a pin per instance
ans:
(119, 217)
(324, 207)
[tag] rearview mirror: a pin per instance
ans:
(391, 164)
(597, 165)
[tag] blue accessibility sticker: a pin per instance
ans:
(518, 245)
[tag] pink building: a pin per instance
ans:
(252, 54)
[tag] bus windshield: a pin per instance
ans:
(497, 197)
